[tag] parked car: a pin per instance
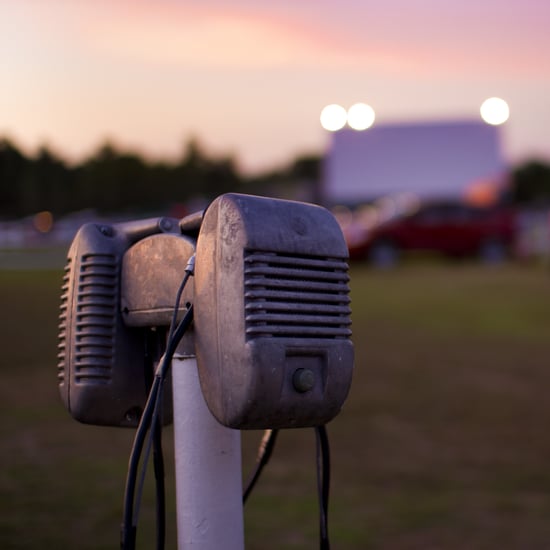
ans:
(450, 228)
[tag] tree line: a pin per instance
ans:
(530, 183)
(112, 180)
(118, 181)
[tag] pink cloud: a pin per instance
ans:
(397, 38)
(243, 37)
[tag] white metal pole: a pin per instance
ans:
(208, 468)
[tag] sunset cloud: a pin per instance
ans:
(205, 39)
(252, 76)
(196, 35)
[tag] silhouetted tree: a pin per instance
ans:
(307, 167)
(115, 181)
(13, 168)
(47, 184)
(531, 183)
(112, 181)
(201, 175)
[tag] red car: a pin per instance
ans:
(451, 228)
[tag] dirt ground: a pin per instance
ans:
(443, 442)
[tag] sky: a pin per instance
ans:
(249, 78)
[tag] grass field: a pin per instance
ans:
(443, 443)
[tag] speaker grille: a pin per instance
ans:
(289, 296)
(92, 341)
(62, 344)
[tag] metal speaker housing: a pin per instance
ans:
(272, 313)
(104, 367)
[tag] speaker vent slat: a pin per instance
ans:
(302, 285)
(94, 329)
(62, 346)
(289, 296)
(292, 273)
(296, 296)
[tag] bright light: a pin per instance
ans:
(407, 203)
(43, 221)
(387, 208)
(482, 193)
(333, 117)
(367, 216)
(495, 111)
(343, 215)
(360, 116)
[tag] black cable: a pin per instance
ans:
(323, 483)
(149, 418)
(158, 465)
(264, 454)
(154, 426)
(150, 421)
(323, 475)
(128, 532)
(188, 272)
